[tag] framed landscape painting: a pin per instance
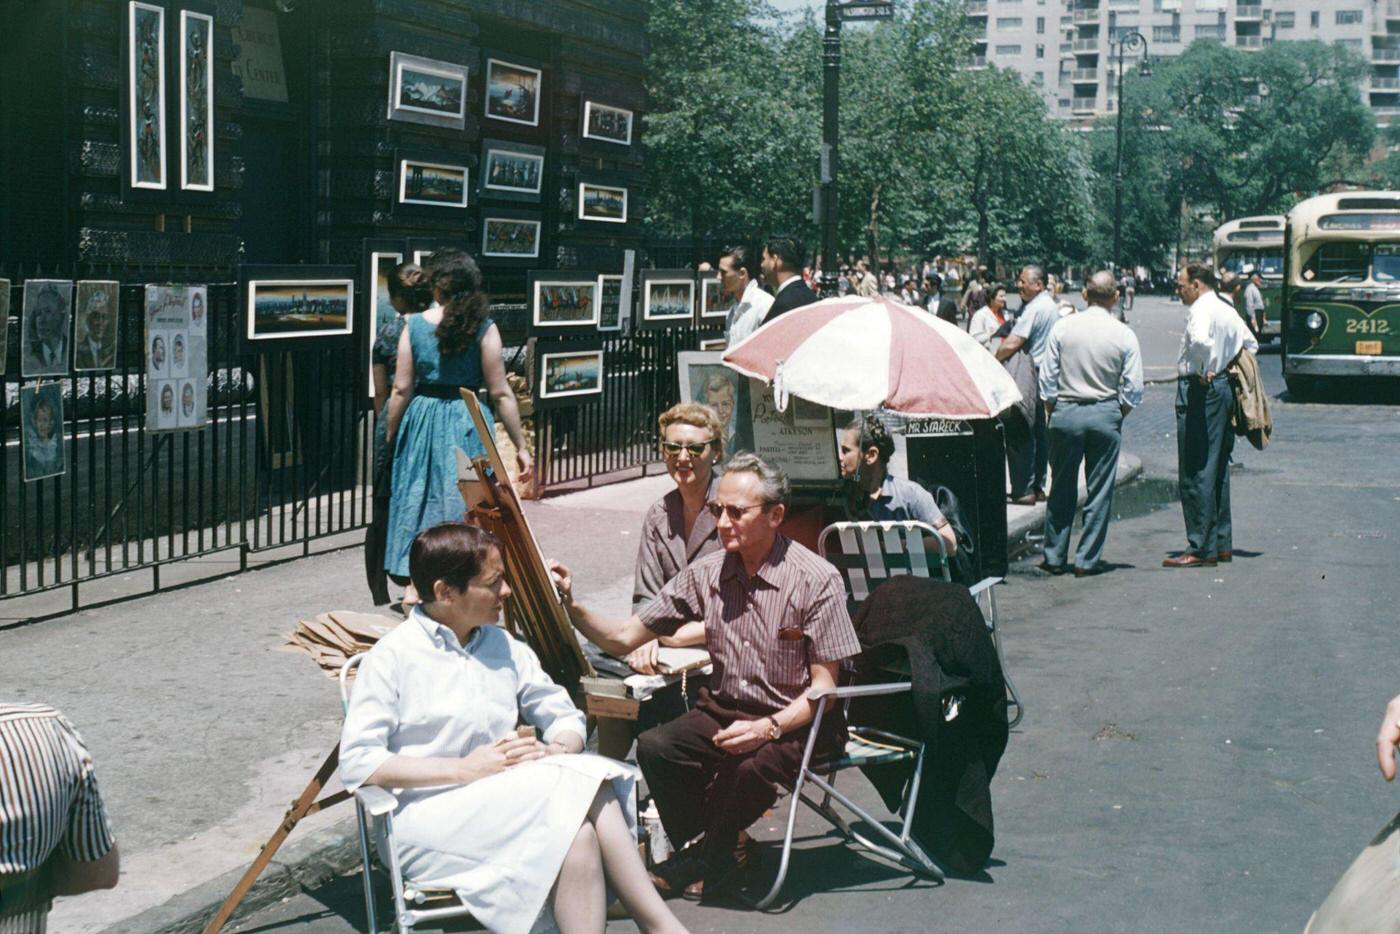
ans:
(668, 298)
(562, 302)
(432, 184)
(510, 237)
(602, 203)
(513, 92)
(513, 171)
(427, 91)
(609, 124)
(568, 372)
(297, 306)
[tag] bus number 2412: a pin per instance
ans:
(1368, 326)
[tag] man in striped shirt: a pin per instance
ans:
(54, 835)
(776, 628)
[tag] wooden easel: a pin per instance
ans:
(305, 805)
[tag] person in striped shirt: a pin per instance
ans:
(54, 835)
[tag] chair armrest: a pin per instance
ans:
(861, 690)
(375, 800)
(985, 583)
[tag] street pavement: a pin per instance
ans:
(1196, 753)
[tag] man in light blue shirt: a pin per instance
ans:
(1091, 379)
(1028, 458)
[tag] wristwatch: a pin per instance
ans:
(774, 731)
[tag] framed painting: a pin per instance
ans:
(427, 91)
(513, 92)
(196, 102)
(561, 302)
(381, 258)
(432, 184)
(296, 307)
(145, 96)
(668, 298)
(568, 373)
(513, 171)
(506, 237)
(714, 343)
(45, 327)
(610, 310)
(609, 124)
(604, 203)
(703, 378)
(41, 430)
(4, 324)
(713, 307)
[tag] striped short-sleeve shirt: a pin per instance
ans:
(49, 801)
(763, 632)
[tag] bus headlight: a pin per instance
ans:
(1314, 321)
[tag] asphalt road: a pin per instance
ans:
(1197, 749)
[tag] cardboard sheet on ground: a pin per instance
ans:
(333, 637)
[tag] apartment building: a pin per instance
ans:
(1065, 48)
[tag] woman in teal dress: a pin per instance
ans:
(452, 345)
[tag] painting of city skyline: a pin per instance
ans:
(281, 308)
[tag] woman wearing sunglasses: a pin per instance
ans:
(678, 528)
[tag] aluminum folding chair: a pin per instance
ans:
(374, 812)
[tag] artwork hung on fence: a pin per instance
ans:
(294, 304)
(563, 301)
(713, 307)
(568, 372)
(610, 124)
(146, 95)
(177, 357)
(433, 184)
(379, 268)
(196, 102)
(427, 91)
(47, 312)
(514, 171)
(704, 379)
(668, 298)
(714, 343)
(512, 92)
(510, 238)
(4, 323)
(95, 322)
(41, 425)
(610, 312)
(602, 203)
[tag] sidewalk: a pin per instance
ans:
(202, 734)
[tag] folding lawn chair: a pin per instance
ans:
(374, 811)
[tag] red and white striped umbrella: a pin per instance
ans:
(859, 353)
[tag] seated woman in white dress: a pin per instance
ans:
(521, 828)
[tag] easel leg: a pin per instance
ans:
(304, 806)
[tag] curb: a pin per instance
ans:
(308, 861)
(301, 864)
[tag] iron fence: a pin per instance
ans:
(281, 460)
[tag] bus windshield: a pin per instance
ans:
(1344, 261)
(1267, 262)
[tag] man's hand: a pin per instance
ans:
(1208, 378)
(1388, 738)
(643, 658)
(742, 736)
(564, 580)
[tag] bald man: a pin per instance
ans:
(1090, 379)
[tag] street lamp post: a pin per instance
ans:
(831, 98)
(1130, 40)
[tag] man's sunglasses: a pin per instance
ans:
(674, 448)
(735, 513)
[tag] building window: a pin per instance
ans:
(1348, 17)
(1008, 22)
(1040, 25)
(1038, 79)
(1039, 50)
(1316, 19)
(1008, 50)
(1284, 20)
(1353, 44)
(1166, 34)
(1210, 31)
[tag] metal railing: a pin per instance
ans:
(282, 458)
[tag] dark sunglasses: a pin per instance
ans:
(674, 448)
(735, 513)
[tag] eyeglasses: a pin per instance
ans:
(735, 513)
(674, 448)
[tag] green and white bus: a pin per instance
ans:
(1257, 242)
(1341, 296)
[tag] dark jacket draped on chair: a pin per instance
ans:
(950, 652)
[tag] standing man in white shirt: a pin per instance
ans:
(738, 276)
(1039, 313)
(1215, 334)
(1254, 304)
(1091, 380)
